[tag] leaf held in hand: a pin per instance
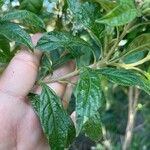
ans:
(56, 123)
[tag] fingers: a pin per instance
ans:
(20, 75)
(36, 37)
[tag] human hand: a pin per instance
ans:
(19, 125)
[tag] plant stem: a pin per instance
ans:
(106, 142)
(74, 73)
(125, 31)
(138, 25)
(99, 64)
(117, 42)
(67, 76)
(133, 100)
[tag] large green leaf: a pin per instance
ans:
(120, 15)
(89, 97)
(54, 40)
(56, 123)
(15, 33)
(27, 18)
(126, 78)
(31, 5)
(141, 42)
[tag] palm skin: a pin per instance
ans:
(20, 128)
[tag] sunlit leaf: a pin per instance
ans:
(120, 15)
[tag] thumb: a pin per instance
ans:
(20, 75)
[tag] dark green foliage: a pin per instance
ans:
(109, 43)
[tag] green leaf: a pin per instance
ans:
(130, 3)
(45, 66)
(85, 59)
(134, 56)
(35, 101)
(88, 97)
(62, 60)
(144, 6)
(84, 16)
(1, 2)
(34, 6)
(106, 4)
(5, 54)
(3, 59)
(141, 42)
(28, 19)
(83, 13)
(4, 45)
(93, 127)
(14, 32)
(54, 40)
(56, 123)
(120, 15)
(126, 78)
